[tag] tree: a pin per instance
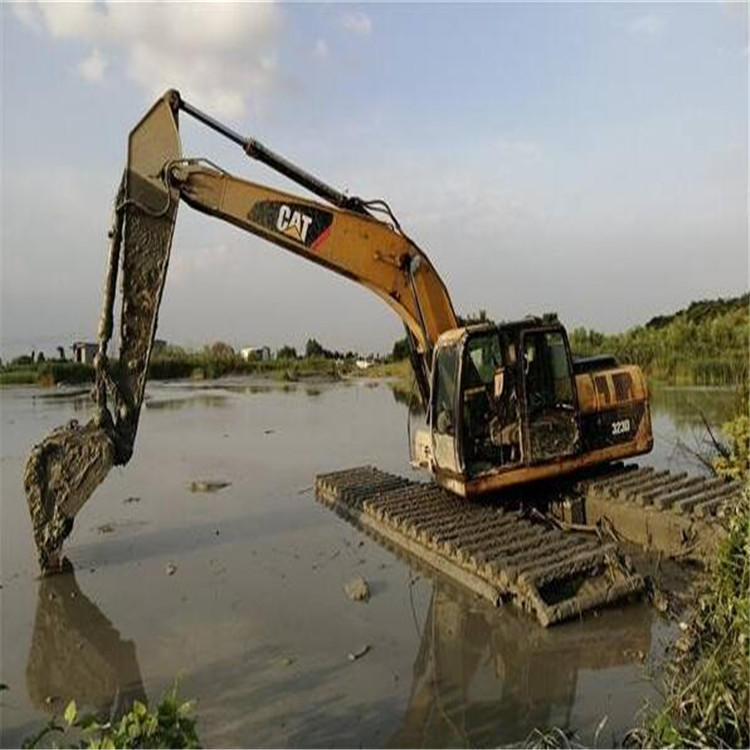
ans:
(313, 348)
(400, 350)
(286, 352)
(222, 350)
(478, 317)
(61, 353)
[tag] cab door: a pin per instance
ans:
(550, 397)
(443, 411)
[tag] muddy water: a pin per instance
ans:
(238, 590)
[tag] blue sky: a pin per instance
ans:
(584, 158)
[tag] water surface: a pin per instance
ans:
(239, 592)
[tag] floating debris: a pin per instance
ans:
(359, 653)
(133, 499)
(208, 485)
(357, 589)
(171, 569)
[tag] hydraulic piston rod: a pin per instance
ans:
(256, 150)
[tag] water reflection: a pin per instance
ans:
(408, 399)
(78, 401)
(181, 402)
(77, 654)
(687, 407)
(485, 677)
(63, 394)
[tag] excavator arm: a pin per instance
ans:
(342, 234)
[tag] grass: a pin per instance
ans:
(707, 685)
(46, 373)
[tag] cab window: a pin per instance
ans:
(446, 365)
(485, 356)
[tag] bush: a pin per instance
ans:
(169, 726)
(286, 352)
(709, 676)
(708, 679)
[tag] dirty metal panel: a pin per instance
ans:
(495, 552)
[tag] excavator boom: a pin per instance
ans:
(342, 235)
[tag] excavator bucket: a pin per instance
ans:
(63, 470)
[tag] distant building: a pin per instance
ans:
(260, 353)
(84, 352)
(364, 364)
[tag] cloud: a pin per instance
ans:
(26, 14)
(215, 53)
(93, 67)
(321, 51)
(648, 25)
(356, 23)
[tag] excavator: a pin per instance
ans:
(505, 404)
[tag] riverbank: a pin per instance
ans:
(198, 367)
(188, 367)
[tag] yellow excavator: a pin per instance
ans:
(506, 404)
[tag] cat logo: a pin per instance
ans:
(293, 223)
(299, 223)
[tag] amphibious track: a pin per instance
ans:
(497, 553)
(675, 514)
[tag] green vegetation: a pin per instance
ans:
(50, 372)
(173, 362)
(219, 360)
(733, 461)
(400, 350)
(705, 344)
(708, 676)
(398, 372)
(170, 725)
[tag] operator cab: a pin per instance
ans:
(504, 397)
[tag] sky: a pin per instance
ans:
(589, 159)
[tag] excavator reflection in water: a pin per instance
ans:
(481, 677)
(78, 654)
